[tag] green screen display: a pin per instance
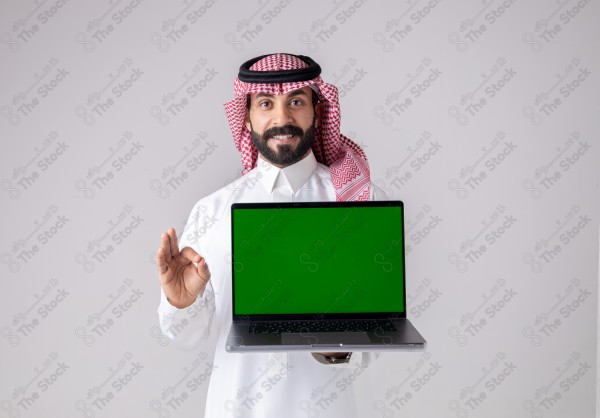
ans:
(318, 260)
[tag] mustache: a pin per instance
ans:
(283, 130)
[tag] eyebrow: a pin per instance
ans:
(296, 92)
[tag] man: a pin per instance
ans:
(285, 122)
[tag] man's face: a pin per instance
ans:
(282, 126)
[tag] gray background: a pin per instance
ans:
(481, 116)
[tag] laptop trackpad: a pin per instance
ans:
(326, 338)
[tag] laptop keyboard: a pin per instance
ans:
(277, 327)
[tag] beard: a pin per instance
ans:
(285, 154)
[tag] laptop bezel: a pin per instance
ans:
(317, 316)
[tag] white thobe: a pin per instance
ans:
(257, 384)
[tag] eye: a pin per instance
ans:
(264, 104)
(296, 102)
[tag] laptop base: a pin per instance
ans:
(406, 337)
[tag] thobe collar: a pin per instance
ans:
(294, 175)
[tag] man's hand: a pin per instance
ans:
(182, 281)
(332, 358)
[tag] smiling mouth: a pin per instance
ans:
(283, 138)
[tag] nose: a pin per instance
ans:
(282, 115)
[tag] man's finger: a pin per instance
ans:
(203, 270)
(190, 254)
(161, 261)
(173, 242)
(165, 246)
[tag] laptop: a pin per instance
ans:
(319, 276)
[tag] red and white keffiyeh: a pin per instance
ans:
(346, 160)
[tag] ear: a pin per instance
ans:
(319, 110)
(247, 114)
(247, 120)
